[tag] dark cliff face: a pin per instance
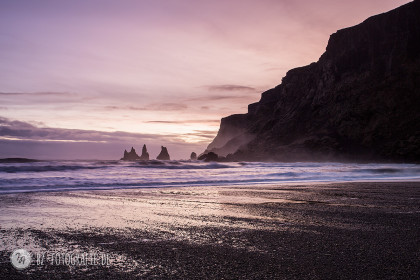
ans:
(360, 101)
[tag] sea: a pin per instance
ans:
(48, 176)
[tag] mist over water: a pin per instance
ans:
(101, 175)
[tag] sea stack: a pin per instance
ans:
(193, 156)
(164, 155)
(132, 155)
(144, 153)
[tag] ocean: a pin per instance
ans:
(45, 176)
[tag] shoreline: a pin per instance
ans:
(352, 230)
(268, 183)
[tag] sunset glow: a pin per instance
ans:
(124, 73)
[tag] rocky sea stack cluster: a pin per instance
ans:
(359, 102)
(133, 156)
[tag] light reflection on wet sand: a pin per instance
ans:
(146, 208)
(163, 208)
(117, 222)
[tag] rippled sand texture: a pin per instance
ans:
(317, 231)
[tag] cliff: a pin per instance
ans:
(360, 101)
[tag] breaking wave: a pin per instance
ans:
(38, 176)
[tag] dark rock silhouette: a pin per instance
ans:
(144, 153)
(164, 155)
(359, 102)
(132, 155)
(209, 157)
(193, 156)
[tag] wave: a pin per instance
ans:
(108, 162)
(180, 165)
(115, 174)
(45, 168)
(286, 174)
(53, 167)
(115, 185)
(17, 160)
(379, 170)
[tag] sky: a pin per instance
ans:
(86, 79)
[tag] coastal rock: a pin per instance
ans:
(164, 155)
(359, 102)
(232, 134)
(193, 156)
(211, 156)
(132, 155)
(144, 153)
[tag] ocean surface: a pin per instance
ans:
(101, 175)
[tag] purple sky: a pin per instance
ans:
(89, 78)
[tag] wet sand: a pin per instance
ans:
(301, 231)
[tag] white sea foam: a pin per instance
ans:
(100, 175)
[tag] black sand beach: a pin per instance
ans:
(302, 231)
